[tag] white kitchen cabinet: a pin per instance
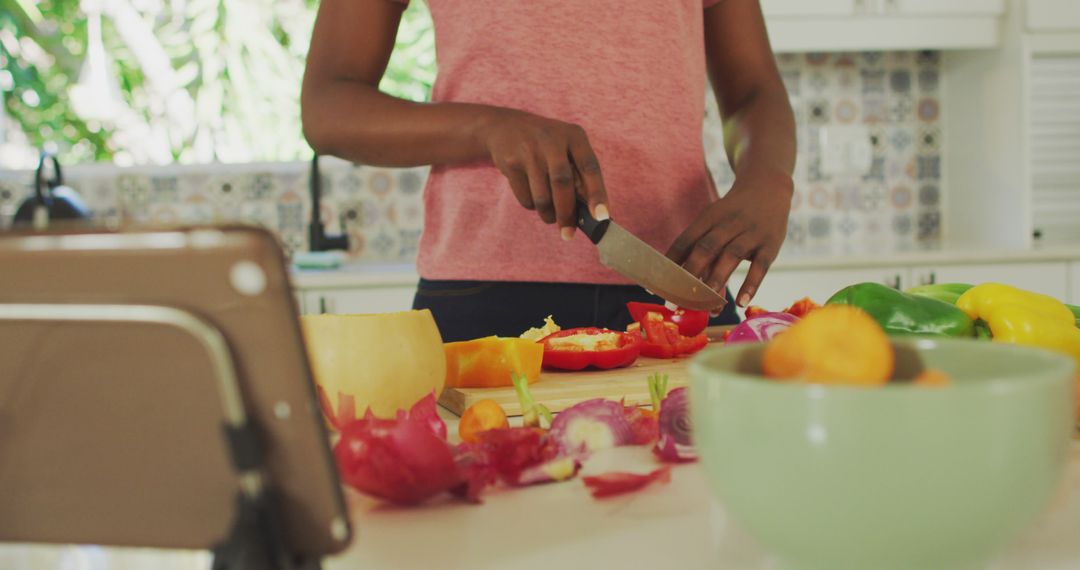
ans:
(943, 8)
(864, 25)
(854, 8)
(1074, 283)
(1053, 15)
(787, 8)
(1048, 278)
(359, 300)
(782, 287)
(1014, 114)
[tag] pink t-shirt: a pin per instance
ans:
(631, 72)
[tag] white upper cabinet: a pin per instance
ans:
(945, 7)
(1053, 15)
(786, 8)
(869, 25)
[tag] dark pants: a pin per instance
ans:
(465, 310)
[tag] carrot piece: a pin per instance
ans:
(836, 344)
(931, 378)
(481, 416)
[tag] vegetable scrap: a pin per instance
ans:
(579, 348)
(537, 334)
(484, 415)
(619, 483)
(932, 378)
(675, 441)
(760, 327)
(592, 425)
(690, 323)
(661, 339)
(408, 460)
(404, 460)
(518, 457)
(532, 412)
(837, 344)
(799, 308)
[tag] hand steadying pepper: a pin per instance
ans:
(748, 224)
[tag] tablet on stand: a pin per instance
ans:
(155, 392)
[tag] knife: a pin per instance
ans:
(638, 261)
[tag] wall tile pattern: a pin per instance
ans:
(894, 206)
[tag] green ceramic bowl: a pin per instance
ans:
(895, 477)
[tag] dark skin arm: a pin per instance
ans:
(750, 222)
(345, 114)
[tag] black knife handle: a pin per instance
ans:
(591, 226)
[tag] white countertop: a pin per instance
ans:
(401, 274)
(559, 526)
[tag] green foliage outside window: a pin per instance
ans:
(189, 80)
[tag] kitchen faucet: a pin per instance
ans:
(318, 239)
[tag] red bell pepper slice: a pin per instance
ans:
(802, 307)
(578, 348)
(663, 340)
(690, 322)
(618, 483)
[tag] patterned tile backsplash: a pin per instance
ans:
(892, 99)
(890, 202)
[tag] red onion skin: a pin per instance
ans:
(675, 443)
(761, 327)
(606, 412)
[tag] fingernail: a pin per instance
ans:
(567, 233)
(744, 300)
(716, 286)
(600, 213)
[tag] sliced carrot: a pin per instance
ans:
(836, 344)
(931, 378)
(481, 416)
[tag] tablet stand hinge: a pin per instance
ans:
(257, 540)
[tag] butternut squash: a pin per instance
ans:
(385, 362)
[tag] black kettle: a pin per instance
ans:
(52, 200)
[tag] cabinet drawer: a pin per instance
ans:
(782, 287)
(948, 8)
(784, 8)
(365, 300)
(1050, 278)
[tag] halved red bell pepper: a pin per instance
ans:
(661, 339)
(574, 349)
(690, 322)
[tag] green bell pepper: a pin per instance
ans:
(948, 292)
(902, 314)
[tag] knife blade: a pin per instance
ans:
(636, 260)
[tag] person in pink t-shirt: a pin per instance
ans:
(539, 101)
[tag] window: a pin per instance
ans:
(161, 81)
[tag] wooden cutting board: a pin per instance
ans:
(560, 390)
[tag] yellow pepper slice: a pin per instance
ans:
(1022, 317)
(490, 361)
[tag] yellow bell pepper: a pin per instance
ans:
(1022, 317)
(489, 362)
